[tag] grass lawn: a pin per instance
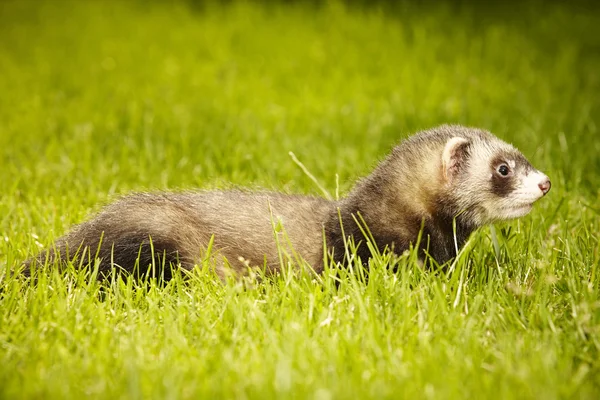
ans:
(102, 98)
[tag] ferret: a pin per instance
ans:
(438, 185)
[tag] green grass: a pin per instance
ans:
(103, 98)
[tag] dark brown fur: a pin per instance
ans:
(424, 184)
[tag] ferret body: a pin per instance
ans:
(443, 183)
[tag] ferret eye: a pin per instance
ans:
(503, 170)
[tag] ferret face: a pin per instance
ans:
(506, 184)
(490, 180)
(515, 185)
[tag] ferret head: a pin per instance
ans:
(488, 179)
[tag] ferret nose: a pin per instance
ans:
(545, 186)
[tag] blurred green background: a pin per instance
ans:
(112, 95)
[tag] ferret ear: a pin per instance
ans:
(454, 156)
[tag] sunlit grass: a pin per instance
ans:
(103, 98)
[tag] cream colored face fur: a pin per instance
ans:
(495, 181)
(521, 200)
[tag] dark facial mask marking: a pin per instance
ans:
(503, 185)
